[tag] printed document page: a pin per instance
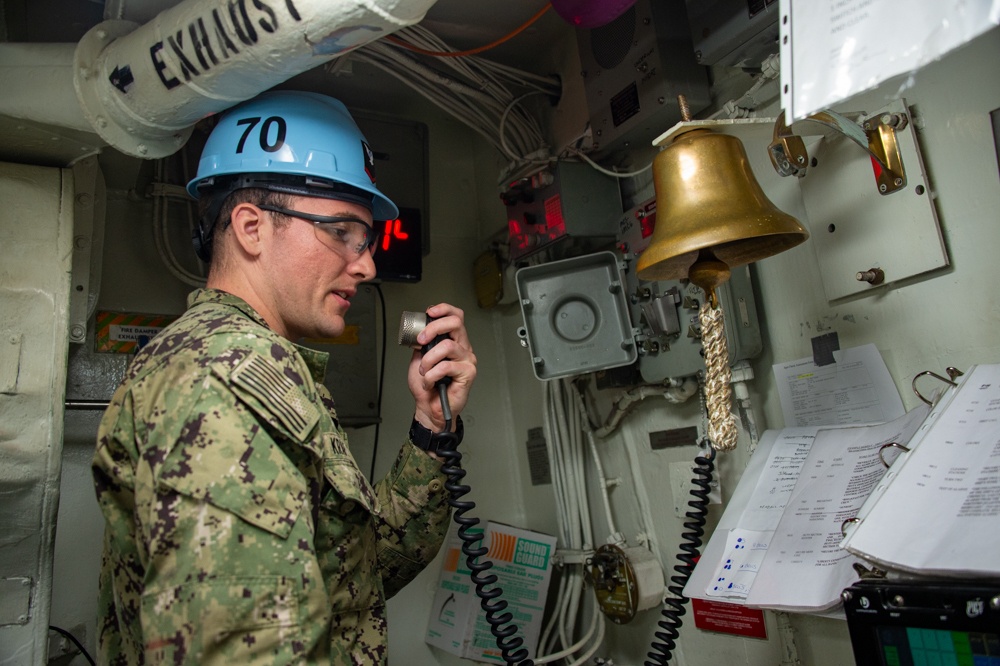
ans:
(940, 512)
(804, 567)
(838, 49)
(730, 561)
(856, 389)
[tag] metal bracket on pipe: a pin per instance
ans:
(877, 136)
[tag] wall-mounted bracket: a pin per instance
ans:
(865, 241)
(876, 135)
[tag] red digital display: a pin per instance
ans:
(393, 229)
(400, 250)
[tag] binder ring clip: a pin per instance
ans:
(843, 525)
(890, 445)
(953, 374)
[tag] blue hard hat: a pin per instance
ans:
(301, 143)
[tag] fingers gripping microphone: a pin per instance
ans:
(410, 326)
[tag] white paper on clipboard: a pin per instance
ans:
(832, 50)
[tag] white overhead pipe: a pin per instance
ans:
(37, 84)
(142, 88)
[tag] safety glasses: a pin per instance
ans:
(347, 236)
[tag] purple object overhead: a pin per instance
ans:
(590, 13)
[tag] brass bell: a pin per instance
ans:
(711, 214)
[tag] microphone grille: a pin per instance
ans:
(410, 325)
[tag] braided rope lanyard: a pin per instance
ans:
(718, 376)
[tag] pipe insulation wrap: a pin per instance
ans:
(37, 80)
(142, 88)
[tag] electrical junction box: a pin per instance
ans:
(634, 68)
(572, 199)
(733, 33)
(575, 316)
(665, 312)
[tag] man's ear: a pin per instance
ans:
(247, 222)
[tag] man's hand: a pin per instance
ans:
(452, 357)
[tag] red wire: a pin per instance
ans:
(479, 49)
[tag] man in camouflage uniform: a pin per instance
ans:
(239, 527)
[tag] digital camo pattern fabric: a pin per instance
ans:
(239, 527)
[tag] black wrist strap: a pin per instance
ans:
(433, 442)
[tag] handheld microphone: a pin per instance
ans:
(410, 325)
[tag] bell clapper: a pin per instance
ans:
(708, 272)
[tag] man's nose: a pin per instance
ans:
(364, 266)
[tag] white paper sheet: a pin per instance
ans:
(778, 478)
(804, 567)
(832, 50)
(745, 549)
(938, 509)
(856, 389)
(727, 568)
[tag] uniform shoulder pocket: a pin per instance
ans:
(272, 395)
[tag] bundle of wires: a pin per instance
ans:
(566, 431)
(484, 95)
(164, 192)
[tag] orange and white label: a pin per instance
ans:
(123, 333)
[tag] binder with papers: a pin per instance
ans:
(936, 511)
(817, 507)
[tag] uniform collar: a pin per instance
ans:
(200, 296)
(315, 360)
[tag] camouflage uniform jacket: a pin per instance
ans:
(239, 527)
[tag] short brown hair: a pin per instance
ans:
(257, 196)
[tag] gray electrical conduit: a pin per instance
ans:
(673, 390)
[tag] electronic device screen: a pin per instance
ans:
(912, 646)
(924, 623)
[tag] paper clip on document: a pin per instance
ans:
(953, 374)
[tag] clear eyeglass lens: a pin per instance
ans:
(347, 237)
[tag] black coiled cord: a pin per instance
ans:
(510, 645)
(674, 607)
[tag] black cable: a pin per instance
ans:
(78, 644)
(674, 607)
(381, 381)
(489, 593)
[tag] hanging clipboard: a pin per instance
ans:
(936, 511)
